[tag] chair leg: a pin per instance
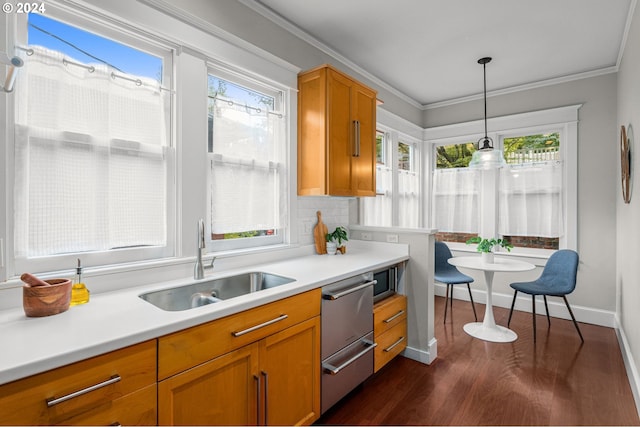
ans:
(472, 304)
(564, 297)
(546, 307)
(533, 311)
(512, 305)
(446, 303)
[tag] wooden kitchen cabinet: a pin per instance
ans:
(291, 362)
(113, 388)
(269, 375)
(222, 391)
(336, 134)
(389, 329)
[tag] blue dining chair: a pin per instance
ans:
(558, 279)
(449, 274)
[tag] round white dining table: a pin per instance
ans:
(487, 329)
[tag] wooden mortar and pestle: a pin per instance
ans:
(45, 297)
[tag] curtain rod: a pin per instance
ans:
(232, 103)
(13, 64)
(91, 69)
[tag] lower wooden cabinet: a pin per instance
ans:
(113, 388)
(136, 409)
(389, 329)
(274, 380)
(222, 391)
(290, 366)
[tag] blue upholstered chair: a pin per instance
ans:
(558, 279)
(449, 274)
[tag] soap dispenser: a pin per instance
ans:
(79, 292)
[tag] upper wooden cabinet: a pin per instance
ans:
(336, 134)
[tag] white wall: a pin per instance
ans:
(597, 177)
(628, 215)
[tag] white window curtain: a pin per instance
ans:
(408, 199)
(247, 169)
(531, 200)
(377, 210)
(90, 158)
(455, 200)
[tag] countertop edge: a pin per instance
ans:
(27, 338)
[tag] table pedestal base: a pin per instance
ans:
(493, 333)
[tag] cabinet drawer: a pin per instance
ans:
(66, 392)
(388, 313)
(185, 349)
(390, 344)
(136, 409)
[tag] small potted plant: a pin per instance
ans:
(485, 246)
(335, 239)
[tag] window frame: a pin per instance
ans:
(281, 95)
(392, 139)
(122, 33)
(563, 120)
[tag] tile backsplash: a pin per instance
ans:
(335, 211)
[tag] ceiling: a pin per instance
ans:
(426, 51)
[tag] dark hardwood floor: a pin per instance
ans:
(556, 381)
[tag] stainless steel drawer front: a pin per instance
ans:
(347, 314)
(355, 364)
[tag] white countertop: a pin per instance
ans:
(118, 319)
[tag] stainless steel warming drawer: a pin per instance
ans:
(347, 337)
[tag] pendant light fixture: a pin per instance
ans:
(486, 157)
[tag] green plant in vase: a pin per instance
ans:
(335, 239)
(485, 246)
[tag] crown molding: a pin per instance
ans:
(263, 10)
(528, 86)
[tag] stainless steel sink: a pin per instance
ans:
(212, 291)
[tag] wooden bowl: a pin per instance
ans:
(39, 301)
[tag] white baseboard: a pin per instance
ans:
(557, 308)
(629, 364)
(422, 356)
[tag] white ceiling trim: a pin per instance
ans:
(298, 32)
(528, 86)
(625, 35)
(301, 34)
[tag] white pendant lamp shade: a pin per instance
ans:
(486, 157)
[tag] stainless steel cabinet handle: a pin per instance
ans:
(356, 138)
(266, 397)
(261, 325)
(54, 401)
(394, 317)
(258, 386)
(388, 349)
(334, 296)
(333, 370)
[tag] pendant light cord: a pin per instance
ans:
(484, 72)
(487, 143)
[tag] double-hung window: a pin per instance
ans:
(397, 201)
(408, 174)
(93, 159)
(531, 201)
(247, 152)
(377, 210)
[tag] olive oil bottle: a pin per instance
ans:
(79, 292)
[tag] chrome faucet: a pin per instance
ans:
(198, 269)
